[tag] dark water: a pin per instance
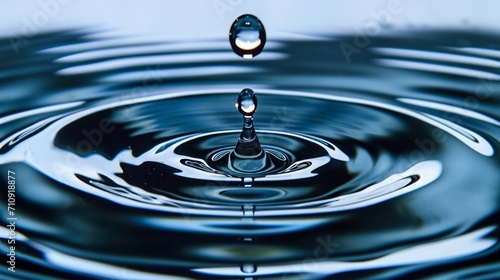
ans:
(391, 160)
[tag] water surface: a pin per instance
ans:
(392, 159)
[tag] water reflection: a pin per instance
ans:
(96, 128)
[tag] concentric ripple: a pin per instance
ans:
(174, 171)
(122, 153)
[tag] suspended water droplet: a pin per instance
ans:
(248, 144)
(247, 36)
(247, 102)
(248, 155)
(248, 158)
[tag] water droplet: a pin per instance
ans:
(248, 144)
(248, 158)
(247, 102)
(248, 268)
(247, 36)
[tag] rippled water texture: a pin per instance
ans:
(389, 162)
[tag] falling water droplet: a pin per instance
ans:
(247, 36)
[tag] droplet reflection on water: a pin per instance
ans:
(380, 175)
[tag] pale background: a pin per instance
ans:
(197, 19)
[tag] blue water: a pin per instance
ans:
(391, 159)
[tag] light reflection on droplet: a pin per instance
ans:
(247, 36)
